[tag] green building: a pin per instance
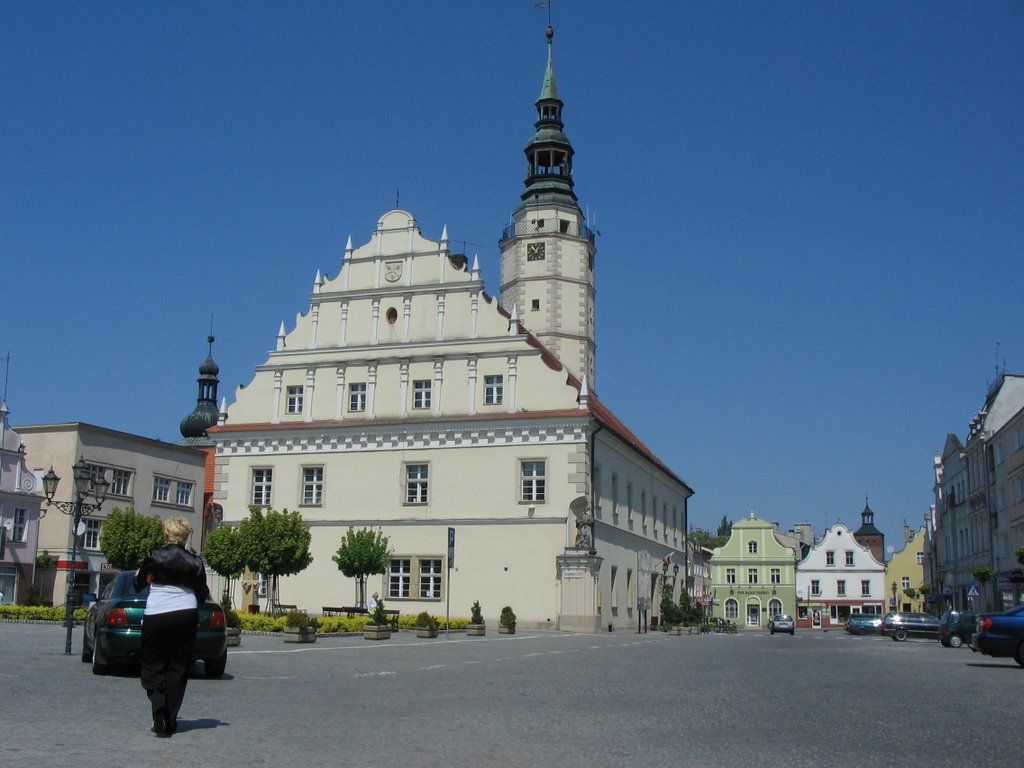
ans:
(753, 575)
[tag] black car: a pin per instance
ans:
(900, 626)
(113, 629)
(957, 628)
(1001, 634)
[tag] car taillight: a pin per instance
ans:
(217, 620)
(118, 617)
(984, 624)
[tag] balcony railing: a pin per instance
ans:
(525, 227)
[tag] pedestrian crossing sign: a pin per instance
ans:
(973, 591)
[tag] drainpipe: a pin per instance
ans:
(593, 490)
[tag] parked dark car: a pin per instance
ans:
(957, 628)
(1001, 634)
(780, 622)
(900, 626)
(863, 624)
(113, 629)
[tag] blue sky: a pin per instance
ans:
(811, 214)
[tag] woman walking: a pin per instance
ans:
(177, 586)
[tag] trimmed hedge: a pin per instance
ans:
(253, 622)
(37, 613)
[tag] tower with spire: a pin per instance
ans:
(547, 249)
(868, 535)
(204, 415)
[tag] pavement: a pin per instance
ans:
(536, 698)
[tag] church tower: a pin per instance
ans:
(869, 536)
(547, 250)
(193, 427)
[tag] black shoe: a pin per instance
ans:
(171, 726)
(160, 724)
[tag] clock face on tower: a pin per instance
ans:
(535, 251)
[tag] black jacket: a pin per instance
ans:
(175, 566)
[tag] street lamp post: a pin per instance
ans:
(895, 605)
(85, 485)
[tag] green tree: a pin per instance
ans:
(702, 537)
(274, 543)
(223, 554)
(724, 530)
(362, 553)
(126, 537)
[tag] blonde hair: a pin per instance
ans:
(176, 530)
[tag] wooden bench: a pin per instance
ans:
(392, 614)
(284, 608)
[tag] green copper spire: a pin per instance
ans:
(550, 89)
(548, 152)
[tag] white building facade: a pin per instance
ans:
(406, 399)
(837, 578)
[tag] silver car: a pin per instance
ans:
(780, 622)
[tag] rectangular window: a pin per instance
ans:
(262, 482)
(643, 510)
(91, 539)
(356, 397)
(815, 588)
(161, 489)
(120, 482)
(494, 389)
(294, 400)
(654, 516)
(905, 581)
(533, 477)
(183, 493)
(776, 575)
(849, 557)
(841, 588)
(730, 575)
(421, 393)
(615, 497)
(751, 575)
(920, 558)
(416, 483)
(313, 486)
(830, 558)
(399, 577)
(430, 579)
(865, 588)
(19, 528)
(629, 502)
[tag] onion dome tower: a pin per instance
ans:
(205, 415)
(869, 536)
(547, 250)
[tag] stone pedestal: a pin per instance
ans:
(578, 572)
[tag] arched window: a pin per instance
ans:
(774, 607)
(752, 547)
(732, 609)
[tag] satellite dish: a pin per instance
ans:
(890, 549)
(8, 524)
(80, 528)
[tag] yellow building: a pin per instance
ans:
(905, 573)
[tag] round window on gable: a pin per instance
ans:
(392, 315)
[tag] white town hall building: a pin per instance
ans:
(407, 399)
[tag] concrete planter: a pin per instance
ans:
(234, 636)
(423, 632)
(506, 629)
(476, 630)
(299, 634)
(376, 632)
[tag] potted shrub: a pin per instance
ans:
(426, 625)
(507, 621)
(299, 628)
(476, 627)
(233, 624)
(378, 627)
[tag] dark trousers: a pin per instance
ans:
(167, 641)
